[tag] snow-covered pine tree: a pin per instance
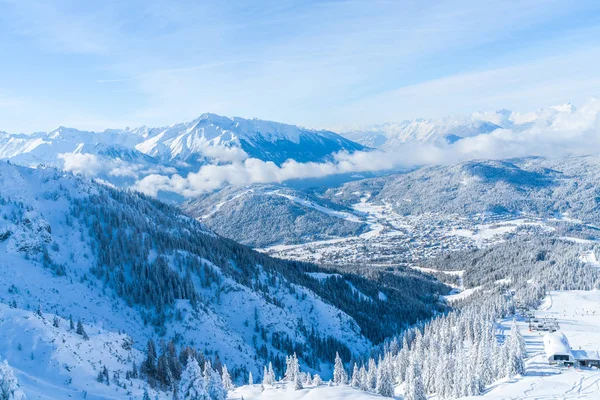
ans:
(226, 378)
(364, 382)
(266, 377)
(317, 380)
(414, 389)
(372, 375)
(272, 378)
(308, 380)
(81, 331)
(250, 379)
(191, 386)
(514, 353)
(9, 386)
(355, 377)
(213, 383)
(339, 373)
(298, 383)
(385, 377)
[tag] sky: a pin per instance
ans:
(323, 64)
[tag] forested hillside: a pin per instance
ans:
(266, 215)
(134, 264)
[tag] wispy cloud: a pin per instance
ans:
(311, 63)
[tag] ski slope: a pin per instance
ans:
(578, 313)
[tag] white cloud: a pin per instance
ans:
(87, 164)
(224, 154)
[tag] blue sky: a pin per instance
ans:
(331, 64)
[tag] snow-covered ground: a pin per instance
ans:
(287, 392)
(578, 314)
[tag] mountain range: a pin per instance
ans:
(448, 130)
(122, 156)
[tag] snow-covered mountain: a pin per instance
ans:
(266, 215)
(122, 156)
(448, 130)
(122, 262)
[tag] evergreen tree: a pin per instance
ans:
(149, 365)
(71, 324)
(339, 373)
(272, 378)
(317, 381)
(250, 379)
(414, 389)
(308, 380)
(213, 383)
(385, 378)
(226, 379)
(298, 383)
(355, 377)
(372, 375)
(9, 386)
(81, 331)
(191, 386)
(364, 381)
(266, 377)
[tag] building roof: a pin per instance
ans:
(586, 355)
(556, 343)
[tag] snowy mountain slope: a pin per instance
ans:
(265, 215)
(260, 139)
(128, 263)
(54, 362)
(545, 187)
(447, 130)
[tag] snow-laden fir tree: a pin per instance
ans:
(266, 377)
(226, 378)
(364, 382)
(213, 383)
(372, 375)
(414, 389)
(9, 386)
(317, 380)
(385, 378)
(191, 386)
(339, 373)
(514, 352)
(272, 378)
(298, 383)
(355, 377)
(292, 368)
(250, 379)
(308, 380)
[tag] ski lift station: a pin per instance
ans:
(558, 351)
